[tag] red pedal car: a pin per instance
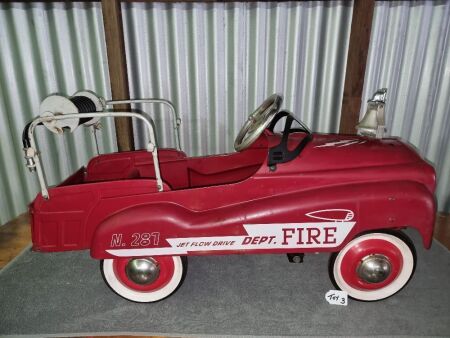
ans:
(285, 190)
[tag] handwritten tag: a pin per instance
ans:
(335, 297)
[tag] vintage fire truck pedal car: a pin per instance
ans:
(285, 190)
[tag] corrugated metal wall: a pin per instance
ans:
(410, 55)
(217, 61)
(46, 48)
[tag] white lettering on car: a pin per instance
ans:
(259, 236)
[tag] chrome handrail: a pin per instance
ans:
(176, 118)
(32, 152)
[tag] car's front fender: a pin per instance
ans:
(375, 206)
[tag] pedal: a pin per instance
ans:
(295, 257)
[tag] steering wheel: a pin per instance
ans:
(257, 122)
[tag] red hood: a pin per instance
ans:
(339, 158)
(331, 151)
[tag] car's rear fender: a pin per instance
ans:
(375, 206)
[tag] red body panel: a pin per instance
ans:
(339, 186)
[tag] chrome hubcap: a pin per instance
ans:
(374, 268)
(142, 270)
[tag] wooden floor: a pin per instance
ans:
(14, 237)
(442, 229)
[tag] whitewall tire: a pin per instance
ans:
(144, 279)
(374, 266)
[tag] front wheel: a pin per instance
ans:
(374, 266)
(144, 279)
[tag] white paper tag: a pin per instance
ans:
(336, 297)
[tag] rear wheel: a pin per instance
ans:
(374, 266)
(144, 279)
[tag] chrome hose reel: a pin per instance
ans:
(56, 105)
(81, 102)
